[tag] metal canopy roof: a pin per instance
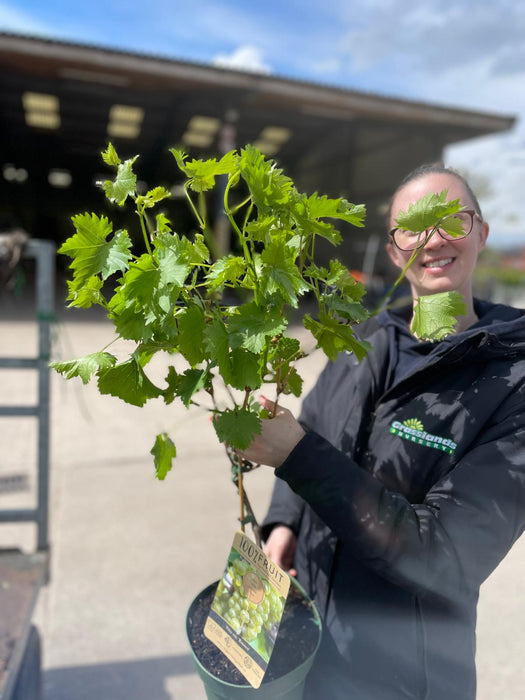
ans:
(59, 100)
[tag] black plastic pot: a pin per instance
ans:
(289, 686)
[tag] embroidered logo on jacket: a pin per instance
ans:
(412, 429)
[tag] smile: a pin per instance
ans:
(438, 263)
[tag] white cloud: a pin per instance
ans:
(497, 159)
(443, 52)
(247, 58)
(435, 36)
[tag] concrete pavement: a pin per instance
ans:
(129, 552)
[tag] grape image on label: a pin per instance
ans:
(236, 602)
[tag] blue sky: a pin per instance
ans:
(451, 52)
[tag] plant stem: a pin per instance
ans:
(237, 464)
(202, 207)
(144, 232)
(240, 235)
(247, 392)
(278, 381)
(255, 525)
(232, 221)
(193, 208)
(398, 281)
(302, 254)
(235, 209)
(241, 498)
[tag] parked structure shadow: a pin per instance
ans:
(117, 680)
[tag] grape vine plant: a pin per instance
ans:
(170, 298)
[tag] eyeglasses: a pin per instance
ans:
(410, 240)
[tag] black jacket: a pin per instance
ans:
(405, 496)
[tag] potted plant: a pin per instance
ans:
(228, 316)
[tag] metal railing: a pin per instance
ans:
(44, 253)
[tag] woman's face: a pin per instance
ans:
(442, 266)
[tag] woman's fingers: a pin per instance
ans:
(278, 437)
(280, 547)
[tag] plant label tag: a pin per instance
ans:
(247, 609)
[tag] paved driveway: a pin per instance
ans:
(129, 552)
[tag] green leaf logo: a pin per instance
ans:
(413, 423)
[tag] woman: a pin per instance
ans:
(403, 485)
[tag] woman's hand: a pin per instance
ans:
(279, 435)
(280, 547)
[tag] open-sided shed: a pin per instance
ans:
(60, 103)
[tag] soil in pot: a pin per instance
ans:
(296, 641)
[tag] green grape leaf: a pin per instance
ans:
(198, 252)
(110, 157)
(143, 303)
(452, 225)
(334, 337)
(237, 427)
(279, 274)
(250, 325)
(286, 349)
(92, 254)
(260, 229)
(226, 269)
(84, 367)
(163, 224)
(268, 185)
(153, 197)
(180, 157)
(316, 272)
(435, 316)
(146, 351)
(88, 294)
(130, 322)
(173, 270)
(427, 212)
(340, 277)
(164, 452)
(325, 230)
(190, 382)
(191, 325)
(170, 392)
(216, 342)
(201, 174)
(127, 381)
(182, 251)
(308, 213)
(319, 207)
(136, 293)
(281, 355)
(245, 369)
(352, 311)
(124, 185)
